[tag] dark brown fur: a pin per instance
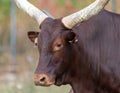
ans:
(91, 65)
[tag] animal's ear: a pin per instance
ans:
(33, 36)
(71, 37)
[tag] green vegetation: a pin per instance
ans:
(4, 9)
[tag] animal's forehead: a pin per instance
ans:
(51, 28)
(49, 21)
(48, 37)
(49, 32)
(51, 25)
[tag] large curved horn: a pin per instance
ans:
(85, 14)
(31, 10)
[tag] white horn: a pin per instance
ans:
(85, 14)
(31, 10)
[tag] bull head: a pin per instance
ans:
(56, 41)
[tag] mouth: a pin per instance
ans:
(46, 82)
(60, 80)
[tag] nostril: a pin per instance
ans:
(42, 79)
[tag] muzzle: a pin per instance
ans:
(43, 80)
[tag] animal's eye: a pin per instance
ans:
(58, 47)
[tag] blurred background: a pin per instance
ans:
(18, 56)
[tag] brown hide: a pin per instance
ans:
(90, 65)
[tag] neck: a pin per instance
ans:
(82, 86)
(82, 82)
(81, 75)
